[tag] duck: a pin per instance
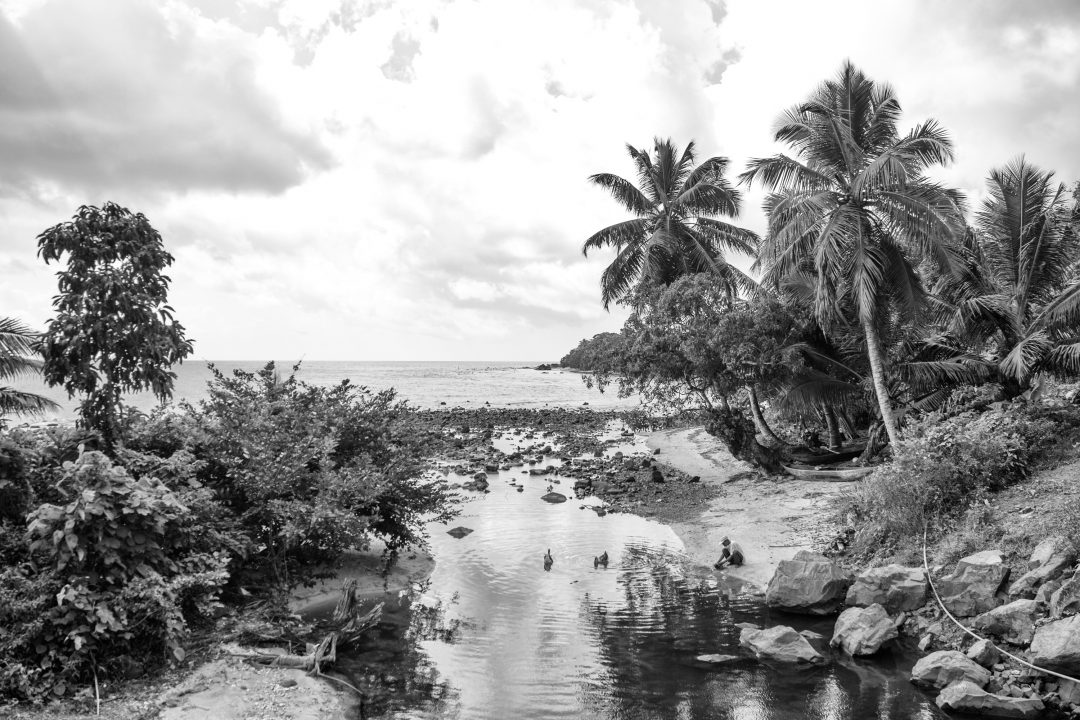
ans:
(602, 560)
(548, 560)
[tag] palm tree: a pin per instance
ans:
(676, 228)
(16, 345)
(1022, 289)
(854, 209)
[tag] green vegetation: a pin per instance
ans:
(883, 321)
(591, 354)
(109, 559)
(113, 332)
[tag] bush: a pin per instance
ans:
(115, 574)
(943, 468)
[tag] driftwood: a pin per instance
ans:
(352, 626)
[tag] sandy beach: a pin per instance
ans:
(771, 519)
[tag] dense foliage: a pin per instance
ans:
(591, 354)
(110, 560)
(113, 332)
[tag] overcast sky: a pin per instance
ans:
(406, 179)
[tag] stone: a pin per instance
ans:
(1056, 645)
(894, 587)
(287, 682)
(1050, 559)
(1069, 691)
(1046, 591)
(717, 659)
(945, 667)
(972, 588)
(553, 497)
(780, 644)
(984, 653)
(862, 631)
(1066, 599)
(459, 532)
(809, 583)
(967, 697)
(1013, 623)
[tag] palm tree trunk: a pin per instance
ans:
(759, 418)
(834, 428)
(876, 357)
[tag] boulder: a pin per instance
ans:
(973, 586)
(553, 497)
(809, 583)
(967, 697)
(984, 653)
(717, 659)
(780, 644)
(1046, 592)
(862, 631)
(459, 532)
(1014, 623)
(894, 587)
(1056, 645)
(945, 667)
(1050, 559)
(1066, 599)
(1069, 691)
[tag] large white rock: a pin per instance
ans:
(1056, 645)
(945, 667)
(862, 631)
(809, 583)
(973, 586)
(781, 644)
(1050, 559)
(967, 697)
(1014, 623)
(894, 587)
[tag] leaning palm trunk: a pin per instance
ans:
(759, 418)
(876, 357)
(833, 426)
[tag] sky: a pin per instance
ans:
(407, 179)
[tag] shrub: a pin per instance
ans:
(116, 572)
(943, 468)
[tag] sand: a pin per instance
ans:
(772, 519)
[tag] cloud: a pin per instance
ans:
(122, 95)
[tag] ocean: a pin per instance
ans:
(422, 384)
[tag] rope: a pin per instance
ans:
(926, 569)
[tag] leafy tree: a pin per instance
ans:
(16, 348)
(688, 346)
(854, 210)
(1021, 292)
(114, 331)
(591, 354)
(676, 228)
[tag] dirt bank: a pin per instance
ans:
(771, 519)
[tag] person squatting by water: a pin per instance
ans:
(731, 555)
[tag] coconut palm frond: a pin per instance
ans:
(810, 390)
(1025, 357)
(624, 192)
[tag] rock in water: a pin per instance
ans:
(553, 497)
(459, 532)
(973, 586)
(809, 583)
(967, 697)
(862, 631)
(781, 644)
(1014, 623)
(894, 587)
(945, 667)
(717, 659)
(1056, 645)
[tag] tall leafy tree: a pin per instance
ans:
(17, 358)
(853, 207)
(114, 331)
(677, 227)
(1022, 291)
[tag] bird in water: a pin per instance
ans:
(602, 560)
(548, 560)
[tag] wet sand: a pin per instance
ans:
(771, 519)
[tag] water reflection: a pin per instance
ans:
(498, 637)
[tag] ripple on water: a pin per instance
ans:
(499, 637)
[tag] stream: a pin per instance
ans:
(493, 634)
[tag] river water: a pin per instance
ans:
(495, 636)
